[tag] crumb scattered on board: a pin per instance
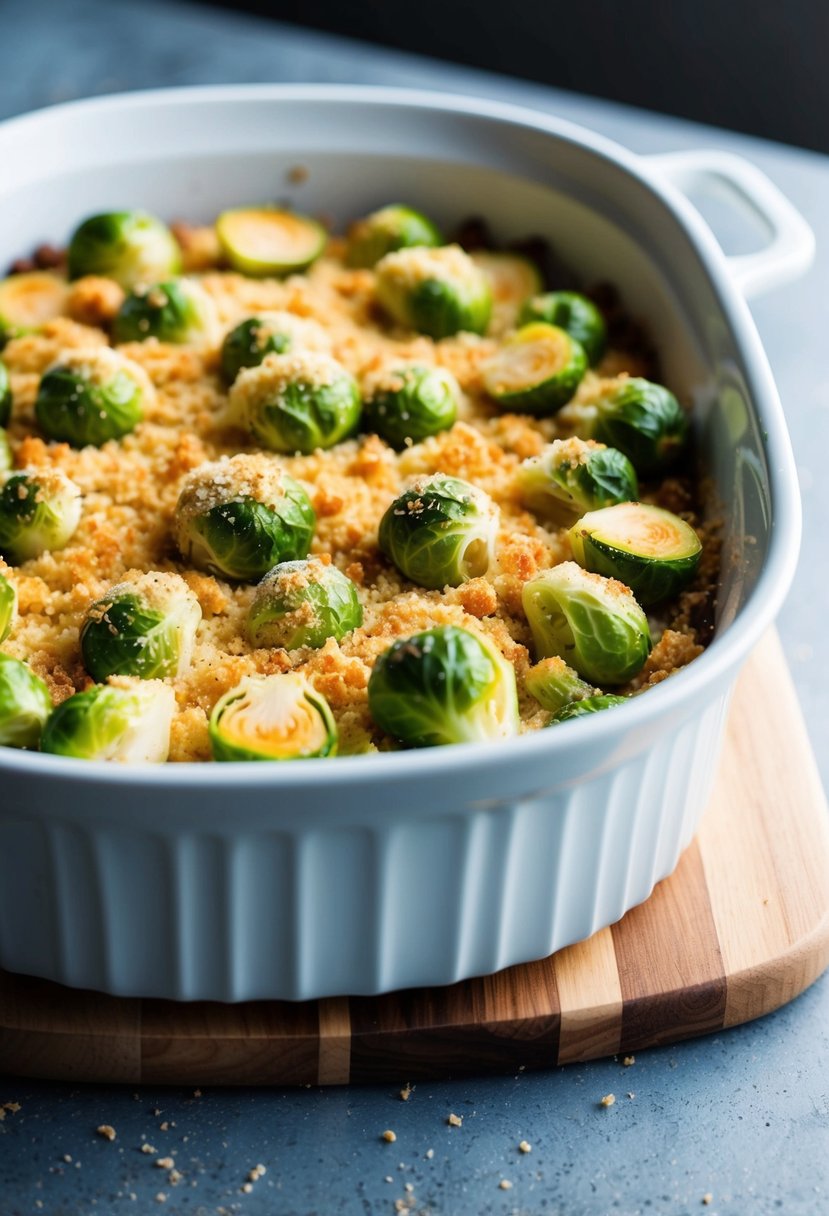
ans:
(608, 1100)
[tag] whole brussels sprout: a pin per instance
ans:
(127, 721)
(268, 333)
(240, 516)
(572, 312)
(296, 403)
(266, 240)
(445, 685)
(131, 247)
(279, 717)
(25, 704)
(145, 627)
(643, 420)
(392, 227)
(590, 705)
(303, 603)
(593, 623)
(177, 310)
(554, 684)
(8, 602)
(90, 396)
(6, 459)
(572, 476)
(440, 532)
(536, 371)
(39, 510)
(407, 403)
(5, 394)
(438, 292)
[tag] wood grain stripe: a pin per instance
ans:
(334, 1065)
(590, 993)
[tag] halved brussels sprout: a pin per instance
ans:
(384, 231)
(8, 603)
(5, 394)
(440, 532)
(445, 685)
(28, 301)
(269, 333)
(263, 241)
(650, 550)
(303, 604)
(145, 627)
(126, 721)
(643, 420)
(512, 278)
(280, 717)
(240, 516)
(90, 396)
(575, 314)
(297, 402)
(590, 705)
(572, 476)
(178, 311)
(536, 371)
(554, 684)
(408, 402)
(131, 247)
(593, 623)
(6, 459)
(438, 292)
(25, 704)
(39, 510)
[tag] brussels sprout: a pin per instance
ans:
(593, 623)
(575, 314)
(590, 705)
(572, 476)
(650, 550)
(6, 459)
(512, 278)
(643, 420)
(127, 721)
(91, 395)
(8, 604)
(39, 510)
(440, 532)
(268, 333)
(128, 246)
(554, 684)
(302, 604)
(384, 231)
(262, 241)
(446, 685)
(241, 516)
(435, 291)
(409, 402)
(536, 371)
(25, 704)
(296, 403)
(279, 717)
(5, 394)
(178, 311)
(143, 627)
(28, 301)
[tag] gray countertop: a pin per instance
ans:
(742, 1116)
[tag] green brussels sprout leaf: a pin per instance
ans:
(384, 231)
(278, 717)
(296, 402)
(25, 704)
(262, 241)
(536, 371)
(408, 403)
(643, 420)
(575, 314)
(39, 510)
(128, 721)
(572, 476)
(128, 246)
(438, 292)
(178, 311)
(144, 628)
(303, 603)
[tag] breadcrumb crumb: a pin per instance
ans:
(608, 1100)
(505, 1184)
(106, 1131)
(707, 1198)
(628, 1060)
(524, 1146)
(406, 1092)
(389, 1136)
(164, 1163)
(455, 1120)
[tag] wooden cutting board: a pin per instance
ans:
(740, 928)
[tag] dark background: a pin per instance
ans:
(751, 65)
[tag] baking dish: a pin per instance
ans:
(372, 873)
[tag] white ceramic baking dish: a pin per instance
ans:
(366, 874)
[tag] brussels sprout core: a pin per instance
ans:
(143, 627)
(406, 404)
(92, 395)
(178, 311)
(5, 394)
(127, 721)
(297, 402)
(593, 623)
(643, 420)
(8, 603)
(536, 371)
(650, 550)
(39, 510)
(28, 301)
(440, 532)
(25, 704)
(512, 278)
(572, 476)
(384, 231)
(269, 333)
(240, 516)
(554, 684)
(128, 246)
(590, 705)
(446, 685)
(303, 604)
(574, 313)
(435, 291)
(279, 717)
(262, 241)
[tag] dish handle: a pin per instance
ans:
(791, 244)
